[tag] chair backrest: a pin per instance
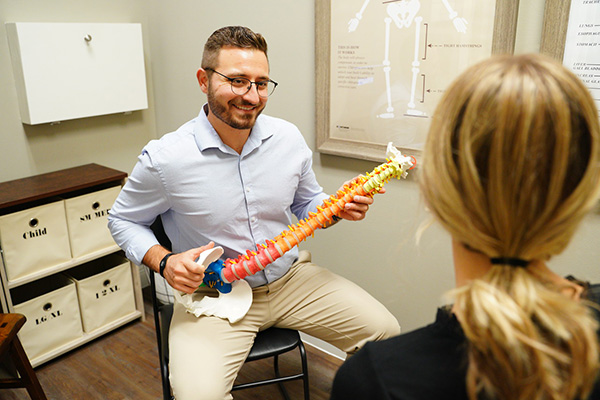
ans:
(161, 288)
(163, 312)
(159, 231)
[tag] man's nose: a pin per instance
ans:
(252, 94)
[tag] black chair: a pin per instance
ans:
(269, 343)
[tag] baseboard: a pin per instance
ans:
(323, 346)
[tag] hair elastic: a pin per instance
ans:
(512, 261)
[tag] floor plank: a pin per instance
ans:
(123, 365)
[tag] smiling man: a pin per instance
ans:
(234, 177)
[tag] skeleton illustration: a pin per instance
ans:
(403, 13)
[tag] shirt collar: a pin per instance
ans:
(207, 137)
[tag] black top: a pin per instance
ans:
(428, 363)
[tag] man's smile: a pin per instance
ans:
(244, 108)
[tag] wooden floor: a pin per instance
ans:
(123, 365)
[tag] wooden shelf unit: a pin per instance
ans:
(29, 192)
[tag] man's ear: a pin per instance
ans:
(202, 79)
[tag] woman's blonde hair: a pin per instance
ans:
(511, 167)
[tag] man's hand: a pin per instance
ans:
(183, 273)
(356, 210)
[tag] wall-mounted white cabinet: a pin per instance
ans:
(74, 70)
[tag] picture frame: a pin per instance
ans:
(503, 40)
(554, 28)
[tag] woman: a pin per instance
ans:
(511, 167)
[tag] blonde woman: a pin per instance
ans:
(511, 167)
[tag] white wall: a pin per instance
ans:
(113, 140)
(379, 253)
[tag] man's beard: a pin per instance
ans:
(221, 112)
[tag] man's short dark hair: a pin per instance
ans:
(231, 36)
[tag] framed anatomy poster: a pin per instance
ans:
(383, 65)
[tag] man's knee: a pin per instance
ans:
(384, 328)
(382, 325)
(387, 327)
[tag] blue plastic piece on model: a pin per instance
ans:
(212, 277)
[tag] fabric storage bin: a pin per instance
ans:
(87, 219)
(34, 239)
(52, 312)
(105, 290)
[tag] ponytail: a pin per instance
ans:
(527, 340)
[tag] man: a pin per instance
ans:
(234, 177)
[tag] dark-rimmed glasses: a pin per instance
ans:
(241, 86)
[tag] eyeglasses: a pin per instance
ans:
(241, 86)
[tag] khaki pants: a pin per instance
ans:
(207, 353)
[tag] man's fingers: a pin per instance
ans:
(185, 288)
(193, 268)
(360, 200)
(195, 253)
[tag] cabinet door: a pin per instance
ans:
(73, 70)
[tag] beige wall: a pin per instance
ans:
(113, 140)
(379, 253)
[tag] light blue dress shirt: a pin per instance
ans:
(205, 191)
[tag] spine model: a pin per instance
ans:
(250, 263)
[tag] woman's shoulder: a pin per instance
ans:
(426, 362)
(591, 291)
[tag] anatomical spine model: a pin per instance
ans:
(221, 274)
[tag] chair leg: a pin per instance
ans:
(166, 385)
(304, 370)
(278, 375)
(167, 392)
(25, 369)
